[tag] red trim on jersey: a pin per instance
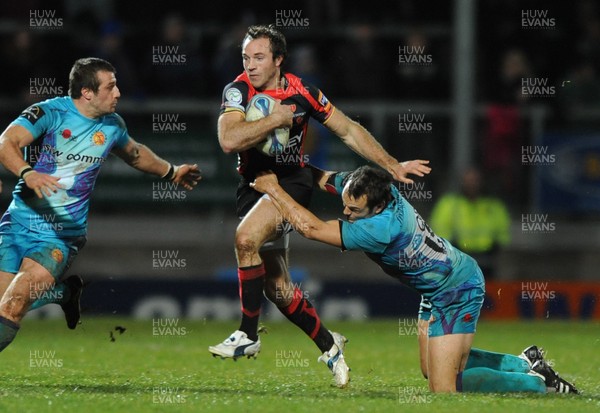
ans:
(293, 86)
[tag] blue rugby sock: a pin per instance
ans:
(486, 380)
(8, 331)
(59, 294)
(496, 361)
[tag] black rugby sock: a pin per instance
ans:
(251, 282)
(304, 315)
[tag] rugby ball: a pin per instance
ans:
(260, 106)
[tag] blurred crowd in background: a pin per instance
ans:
(341, 45)
(348, 51)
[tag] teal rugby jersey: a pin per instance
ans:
(71, 147)
(404, 246)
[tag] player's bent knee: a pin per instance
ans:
(245, 245)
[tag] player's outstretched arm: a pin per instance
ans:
(12, 140)
(143, 159)
(301, 219)
(321, 177)
(357, 138)
(236, 135)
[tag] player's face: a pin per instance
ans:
(259, 64)
(356, 208)
(105, 100)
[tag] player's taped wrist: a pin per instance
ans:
(24, 171)
(171, 173)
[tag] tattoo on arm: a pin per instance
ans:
(135, 152)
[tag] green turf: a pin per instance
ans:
(51, 369)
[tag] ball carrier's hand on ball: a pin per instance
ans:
(283, 113)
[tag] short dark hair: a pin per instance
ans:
(277, 39)
(83, 75)
(373, 182)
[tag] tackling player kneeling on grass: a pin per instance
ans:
(67, 139)
(381, 223)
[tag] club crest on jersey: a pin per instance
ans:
(99, 138)
(57, 255)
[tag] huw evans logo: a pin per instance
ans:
(537, 223)
(414, 56)
(167, 123)
(537, 155)
(168, 55)
(537, 19)
(291, 19)
(44, 19)
(44, 87)
(413, 123)
(537, 87)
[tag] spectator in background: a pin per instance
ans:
(304, 62)
(23, 58)
(111, 48)
(503, 132)
(581, 89)
(226, 62)
(477, 224)
(176, 69)
(358, 72)
(418, 69)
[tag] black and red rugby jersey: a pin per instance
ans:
(306, 101)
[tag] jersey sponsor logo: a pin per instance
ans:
(85, 158)
(233, 96)
(298, 117)
(33, 114)
(99, 138)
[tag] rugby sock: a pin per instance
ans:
(496, 361)
(8, 331)
(303, 314)
(486, 380)
(251, 281)
(59, 294)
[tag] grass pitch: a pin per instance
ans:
(165, 367)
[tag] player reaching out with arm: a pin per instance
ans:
(66, 141)
(381, 223)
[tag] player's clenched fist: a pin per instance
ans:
(41, 183)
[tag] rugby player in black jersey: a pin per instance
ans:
(261, 239)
